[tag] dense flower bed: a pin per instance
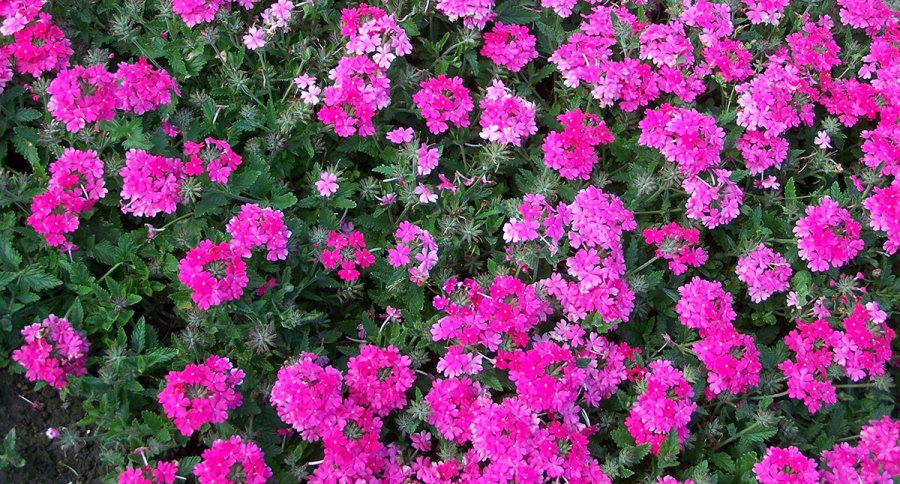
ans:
(457, 241)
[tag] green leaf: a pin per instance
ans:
(723, 461)
(284, 200)
(37, 280)
(754, 436)
(138, 335)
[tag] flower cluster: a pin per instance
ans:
(81, 95)
(151, 184)
(571, 151)
(308, 396)
(52, 352)
(76, 184)
(828, 236)
(215, 273)
(765, 11)
(713, 203)
(347, 251)
(254, 227)
(596, 221)
(360, 89)
(807, 374)
(443, 100)
(781, 465)
(683, 136)
(761, 151)
(505, 118)
(40, 47)
(664, 406)
(201, 393)
(214, 156)
(274, 17)
(474, 13)
(510, 46)
(876, 458)
(413, 240)
(884, 214)
(232, 460)
(162, 472)
(371, 31)
(141, 88)
(678, 245)
(765, 272)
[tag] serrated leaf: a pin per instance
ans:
(284, 200)
(723, 461)
(756, 435)
(37, 280)
(138, 336)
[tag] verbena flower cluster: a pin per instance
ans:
(52, 352)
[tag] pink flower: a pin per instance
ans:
(307, 396)
(412, 240)
(81, 95)
(151, 184)
(452, 403)
(506, 119)
(372, 31)
(571, 152)
(442, 101)
(426, 195)
(664, 406)
(884, 214)
(201, 394)
(679, 245)
(458, 362)
(864, 347)
(360, 89)
(421, 441)
(427, 160)
(378, 379)
(823, 141)
(788, 465)
(731, 359)
(474, 13)
(875, 459)
(40, 47)
(327, 184)
(666, 45)
(510, 46)
(162, 472)
(220, 160)
(226, 458)
(400, 135)
(347, 252)
(141, 88)
(52, 352)
(214, 272)
(761, 151)
(254, 38)
(254, 227)
(714, 203)
(829, 236)
(194, 12)
(765, 11)
(683, 136)
(765, 272)
(705, 306)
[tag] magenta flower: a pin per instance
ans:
(201, 393)
(52, 352)
(226, 459)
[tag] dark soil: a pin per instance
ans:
(46, 461)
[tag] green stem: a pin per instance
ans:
(773, 396)
(644, 265)
(736, 436)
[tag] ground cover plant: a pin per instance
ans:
(454, 240)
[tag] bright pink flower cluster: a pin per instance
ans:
(788, 465)
(678, 245)
(254, 227)
(162, 472)
(597, 221)
(194, 12)
(474, 13)
(828, 236)
(814, 48)
(765, 11)
(761, 151)
(713, 19)
(81, 95)
(378, 379)
(730, 58)
(5, 70)
(772, 100)
(347, 251)
(40, 47)
(571, 151)
(216, 154)
(427, 160)
(510, 308)
(371, 31)
(505, 118)
(731, 359)
(15, 14)
(232, 460)
(666, 45)
(52, 352)
(413, 240)
(201, 394)
(664, 406)
(864, 347)
(307, 396)
(141, 88)
(76, 184)
(765, 272)
(870, 15)
(713, 203)
(151, 184)
(214, 272)
(510, 46)
(360, 89)
(683, 136)
(875, 459)
(443, 100)
(537, 214)
(884, 214)
(807, 374)
(705, 306)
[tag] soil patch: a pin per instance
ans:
(46, 461)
